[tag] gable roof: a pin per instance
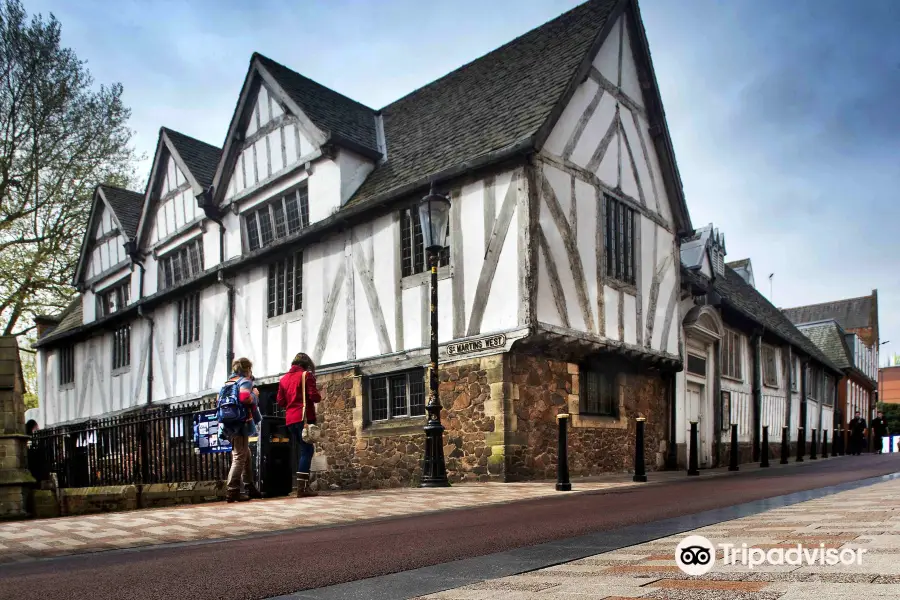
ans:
(829, 338)
(852, 313)
(502, 103)
(69, 318)
(343, 119)
(197, 160)
(126, 207)
(488, 104)
(745, 299)
(200, 158)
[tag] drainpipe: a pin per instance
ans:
(789, 384)
(718, 416)
(757, 394)
(229, 336)
(151, 323)
(672, 459)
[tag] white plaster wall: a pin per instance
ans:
(354, 170)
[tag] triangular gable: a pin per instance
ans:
(175, 154)
(310, 115)
(103, 216)
(635, 152)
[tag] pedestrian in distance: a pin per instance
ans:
(857, 427)
(238, 415)
(879, 431)
(298, 395)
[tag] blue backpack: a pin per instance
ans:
(229, 410)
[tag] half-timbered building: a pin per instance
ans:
(746, 364)
(558, 291)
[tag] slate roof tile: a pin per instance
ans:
(486, 105)
(326, 108)
(200, 158)
(126, 205)
(829, 338)
(853, 313)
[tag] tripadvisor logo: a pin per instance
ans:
(695, 555)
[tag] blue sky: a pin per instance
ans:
(783, 114)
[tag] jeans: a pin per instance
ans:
(240, 463)
(306, 450)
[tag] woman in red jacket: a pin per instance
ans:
(290, 397)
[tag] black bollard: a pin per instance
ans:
(693, 460)
(764, 461)
(733, 464)
(825, 444)
(843, 443)
(813, 446)
(640, 470)
(801, 444)
(835, 447)
(785, 445)
(562, 466)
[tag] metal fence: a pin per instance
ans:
(155, 446)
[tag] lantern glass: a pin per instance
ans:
(434, 217)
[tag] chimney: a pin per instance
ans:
(44, 324)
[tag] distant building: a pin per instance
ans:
(847, 331)
(889, 384)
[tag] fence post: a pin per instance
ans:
(825, 444)
(785, 445)
(693, 468)
(144, 450)
(813, 444)
(562, 465)
(764, 451)
(640, 469)
(733, 464)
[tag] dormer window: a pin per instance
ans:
(113, 299)
(278, 218)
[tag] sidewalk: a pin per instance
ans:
(29, 540)
(867, 518)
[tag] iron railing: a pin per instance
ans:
(155, 446)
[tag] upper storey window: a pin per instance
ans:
(113, 299)
(182, 264)
(412, 246)
(619, 241)
(276, 219)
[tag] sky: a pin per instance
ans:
(784, 115)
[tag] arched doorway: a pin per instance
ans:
(703, 330)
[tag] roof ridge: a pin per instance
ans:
(169, 130)
(322, 85)
(118, 187)
(829, 302)
(464, 66)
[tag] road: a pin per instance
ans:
(266, 566)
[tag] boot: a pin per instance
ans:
(303, 490)
(253, 492)
(236, 497)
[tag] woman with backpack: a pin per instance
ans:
(239, 430)
(298, 395)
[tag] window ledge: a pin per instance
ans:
(121, 370)
(294, 315)
(771, 386)
(598, 422)
(626, 288)
(67, 386)
(730, 378)
(400, 426)
(411, 281)
(187, 347)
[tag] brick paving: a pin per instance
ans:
(863, 518)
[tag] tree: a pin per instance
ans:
(60, 136)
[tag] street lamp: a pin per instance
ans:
(434, 215)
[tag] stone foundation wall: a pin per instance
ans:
(389, 454)
(543, 387)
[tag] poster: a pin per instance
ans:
(206, 433)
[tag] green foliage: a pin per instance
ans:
(60, 136)
(891, 415)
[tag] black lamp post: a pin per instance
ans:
(434, 216)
